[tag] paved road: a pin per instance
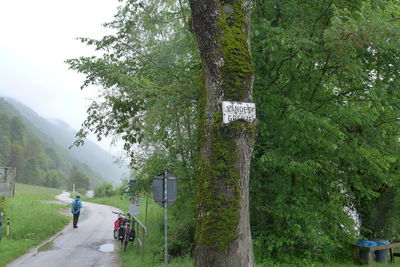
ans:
(88, 245)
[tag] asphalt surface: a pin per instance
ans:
(91, 244)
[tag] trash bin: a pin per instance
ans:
(381, 255)
(367, 243)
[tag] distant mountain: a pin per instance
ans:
(63, 134)
(38, 159)
(60, 124)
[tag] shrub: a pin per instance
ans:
(104, 190)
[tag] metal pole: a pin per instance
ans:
(1, 217)
(147, 205)
(165, 221)
(142, 245)
(137, 238)
(143, 234)
(8, 228)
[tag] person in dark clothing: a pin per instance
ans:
(76, 206)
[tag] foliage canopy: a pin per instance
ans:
(327, 94)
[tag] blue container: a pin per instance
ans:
(367, 243)
(381, 255)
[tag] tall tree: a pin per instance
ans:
(31, 173)
(16, 129)
(327, 94)
(79, 178)
(223, 235)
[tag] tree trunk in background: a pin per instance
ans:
(223, 236)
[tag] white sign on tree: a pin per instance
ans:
(233, 111)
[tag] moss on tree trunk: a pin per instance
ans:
(223, 235)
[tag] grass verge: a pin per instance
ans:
(349, 264)
(27, 213)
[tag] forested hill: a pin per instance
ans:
(63, 134)
(38, 159)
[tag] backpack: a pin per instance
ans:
(75, 208)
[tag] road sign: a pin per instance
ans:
(129, 186)
(159, 189)
(7, 182)
(233, 111)
(165, 190)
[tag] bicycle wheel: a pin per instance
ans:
(126, 239)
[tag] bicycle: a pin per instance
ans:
(124, 229)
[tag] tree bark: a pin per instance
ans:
(223, 236)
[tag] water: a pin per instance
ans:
(107, 248)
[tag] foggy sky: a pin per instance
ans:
(36, 37)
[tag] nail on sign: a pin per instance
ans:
(233, 111)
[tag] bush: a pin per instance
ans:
(104, 190)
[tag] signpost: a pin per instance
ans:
(233, 111)
(7, 182)
(134, 199)
(134, 205)
(165, 191)
(7, 189)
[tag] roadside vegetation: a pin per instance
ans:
(180, 246)
(154, 242)
(325, 168)
(27, 212)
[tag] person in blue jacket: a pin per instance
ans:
(76, 206)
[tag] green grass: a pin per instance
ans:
(25, 189)
(332, 264)
(154, 246)
(27, 213)
(352, 265)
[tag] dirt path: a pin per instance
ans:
(91, 244)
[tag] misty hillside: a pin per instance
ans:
(38, 159)
(62, 134)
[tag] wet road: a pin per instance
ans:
(91, 244)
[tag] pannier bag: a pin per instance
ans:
(121, 232)
(132, 235)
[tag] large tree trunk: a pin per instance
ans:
(223, 236)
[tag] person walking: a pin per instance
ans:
(76, 206)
